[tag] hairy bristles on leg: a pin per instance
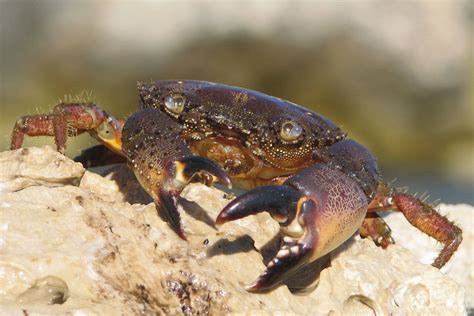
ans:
(392, 181)
(435, 204)
(424, 197)
(403, 189)
(83, 97)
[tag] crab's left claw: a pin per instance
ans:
(163, 163)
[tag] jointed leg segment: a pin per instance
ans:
(422, 216)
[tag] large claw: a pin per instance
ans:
(163, 163)
(318, 209)
(292, 210)
(279, 201)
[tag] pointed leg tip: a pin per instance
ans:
(178, 229)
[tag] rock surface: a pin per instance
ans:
(72, 241)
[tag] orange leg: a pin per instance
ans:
(34, 125)
(422, 216)
(70, 119)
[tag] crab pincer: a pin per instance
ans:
(318, 209)
(163, 163)
(313, 219)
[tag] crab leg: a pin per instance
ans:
(318, 209)
(422, 216)
(376, 228)
(70, 119)
(34, 125)
(163, 163)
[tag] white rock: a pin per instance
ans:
(114, 257)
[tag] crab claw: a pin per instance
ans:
(192, 167)
(163, 163)
(279, 201)
(284, 203)
(166, 206)
(293, 254)
(318, 209)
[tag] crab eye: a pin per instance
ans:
(290, 131)
(175, 103)
(106, 131)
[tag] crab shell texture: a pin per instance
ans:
(241, 129)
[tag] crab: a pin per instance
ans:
(321, 186)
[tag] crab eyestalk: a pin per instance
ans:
(163, 163)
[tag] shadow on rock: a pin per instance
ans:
(224, 246)
(127, 182)
(196, 211)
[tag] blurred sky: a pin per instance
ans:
(396, 75)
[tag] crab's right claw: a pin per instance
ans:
(292, 210)
(163, 163)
